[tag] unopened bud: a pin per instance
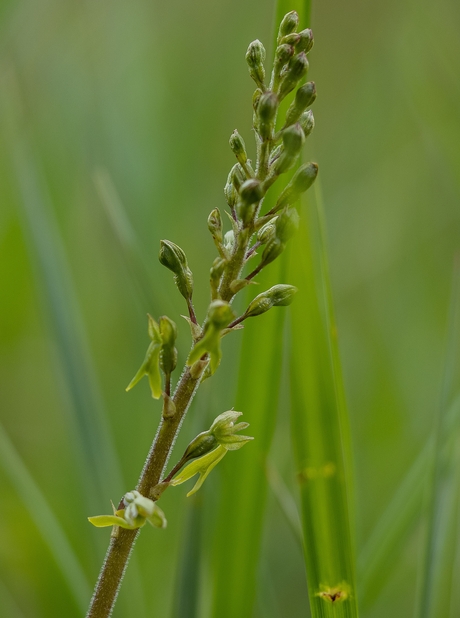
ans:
(301, 181)
(267, 232)
(168, 353)
(256, 98)
(268, 106)
(283, 55)
(306, 41)
(304, 97)
(202, 444)
(293, 139)
(288, 24)
(255, 57)
(251, 191)
(238, 147)
(215, 225)
(297, 70)
(273, 249)
(277, 296)
(215, 275)
(290, 39)
(172, 256)
(250, 194)
(237, 176)
(229, 240)
(220, 314)
(287, 224)
(307, 122)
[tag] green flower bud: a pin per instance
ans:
(220, 314)
(277, 296)
(273, 249)
(287, 224)
(231, 194)
(216, 272)
(268, 106)
(288, 24)
(304, 97)
(202, 444)
(290, 39)
(238, 147)
(301, 181)
(238, 176)
(250, 194)
(267, 232)
(168, 353)
(255, 57)
(172, 256)
(283, 55)
(229, 241)
(293, 139)
(306, 41)
(224, 430)
(215, 225)
(298, 68)
(251, 191)
(256, 98)
(307, 122)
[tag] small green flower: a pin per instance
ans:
(220, 315)
(151, 365)
(138, 511)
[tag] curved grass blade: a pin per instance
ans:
(443, 490)
(100, 461)
(47, 523)
(320, 428)
(400, 516)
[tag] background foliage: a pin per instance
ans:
(115, 103)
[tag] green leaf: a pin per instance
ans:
(320, 428)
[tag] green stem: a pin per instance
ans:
(121, 545)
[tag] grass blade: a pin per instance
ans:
(394, 525)
(47, 523)
(442, 498)
(319, 424)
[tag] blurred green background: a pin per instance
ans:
(106, 102)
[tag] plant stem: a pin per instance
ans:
(122, 544)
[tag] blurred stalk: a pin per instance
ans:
(398, 519)
(188, 585)
(45, 520)
(320, 427)
(435, 583)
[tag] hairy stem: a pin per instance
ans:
(122, 544)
